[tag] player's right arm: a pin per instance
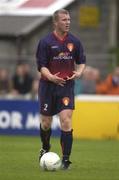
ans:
(43, 56)
(53, 78)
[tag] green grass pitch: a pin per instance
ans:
(92, 160)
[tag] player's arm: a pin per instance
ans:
(42, 57)
(53, 78)
(80, 60)
(78, 72)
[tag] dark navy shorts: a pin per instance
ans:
(54, 98)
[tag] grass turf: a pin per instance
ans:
(92, 160)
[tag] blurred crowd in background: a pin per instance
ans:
(94, 22)
(23, 84)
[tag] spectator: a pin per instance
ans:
(78, 87)
(22, 80)
(110, 85)
(4, 82)
(89, 80)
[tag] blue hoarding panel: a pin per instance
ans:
(21, 117)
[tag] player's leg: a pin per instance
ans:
(66, 139)
(45, 133)
(46, 104)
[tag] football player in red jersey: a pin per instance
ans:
(60, 60)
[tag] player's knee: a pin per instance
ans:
(46, 123)
(66, 124)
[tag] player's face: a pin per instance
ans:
(63, 23)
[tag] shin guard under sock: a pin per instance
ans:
(66, 141)
(45, 138)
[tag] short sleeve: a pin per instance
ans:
(80, 57)
(42, 55)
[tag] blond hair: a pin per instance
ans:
(56, 14)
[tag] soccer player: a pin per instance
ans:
(60, 60)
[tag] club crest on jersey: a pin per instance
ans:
(65, 101)
(70, 46)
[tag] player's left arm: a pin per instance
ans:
(78, 72)
(80, 61)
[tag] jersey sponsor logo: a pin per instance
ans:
(63, 56)
(66, 101)
(70, 47)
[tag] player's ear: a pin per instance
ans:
(55, 23)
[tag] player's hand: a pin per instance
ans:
(76, 75)
(57, 80)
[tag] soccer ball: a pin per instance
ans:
(50, 161)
